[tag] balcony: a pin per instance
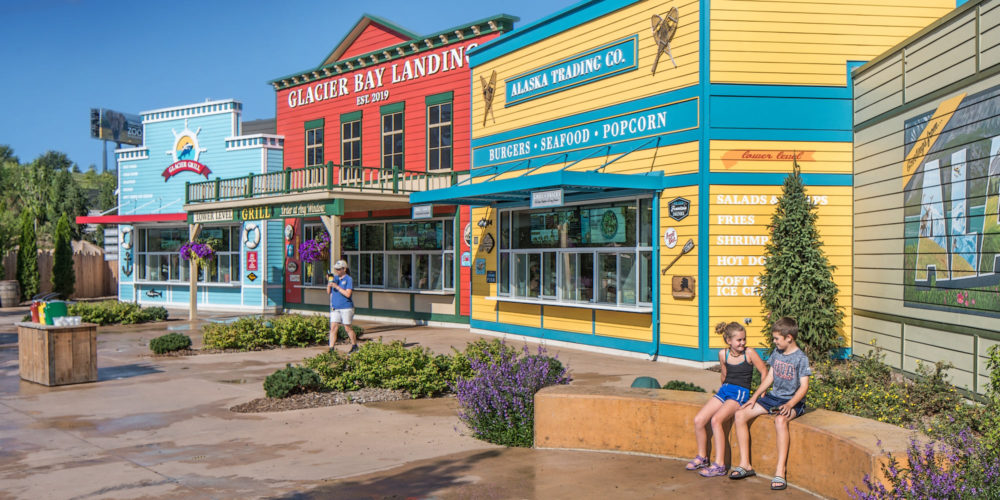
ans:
(328, 180)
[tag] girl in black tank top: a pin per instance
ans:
(735, 391)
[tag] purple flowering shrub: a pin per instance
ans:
(497, 402)
(959, 467)
(316, 249)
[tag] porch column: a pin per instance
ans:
(332, 223)
(193, 231)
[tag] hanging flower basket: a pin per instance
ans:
(316, 249)
(201, 253)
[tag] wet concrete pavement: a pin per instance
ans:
(160, 427)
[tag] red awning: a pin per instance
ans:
(130, 219)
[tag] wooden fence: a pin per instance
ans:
(94, 276)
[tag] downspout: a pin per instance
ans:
(655, 271)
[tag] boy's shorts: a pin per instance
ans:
(769, 401)
(733, 392)
(342, 316)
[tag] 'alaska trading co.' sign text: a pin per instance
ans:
(602, 62)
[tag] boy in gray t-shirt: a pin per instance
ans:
(789, 375)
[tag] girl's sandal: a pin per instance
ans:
(714, 470)
(698, 462)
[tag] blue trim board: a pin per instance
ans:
(781, 134)
(553, 24)
(796, 113)
(576, 338)
(776, 179)
(791, 91)
(519, 188)
(589, 116)
(704, 164)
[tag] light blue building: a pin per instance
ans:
(184, 144)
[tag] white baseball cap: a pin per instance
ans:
(340, 265)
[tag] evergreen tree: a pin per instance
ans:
(27, 257)
(798, 279)
(63, 276)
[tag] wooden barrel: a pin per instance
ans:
(10, 293)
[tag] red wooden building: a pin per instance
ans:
(386, 113)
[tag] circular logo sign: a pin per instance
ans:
(670, 237)
(609, 225)
(289, 231)
(467, 235)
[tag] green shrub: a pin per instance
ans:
(250, 333)
(680, 385)
(253, 333)
(113, 311)
(415, 370)
(291, 380)
(298, 330)
(169, 342)
(481, 350)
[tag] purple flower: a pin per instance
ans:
(315, 249)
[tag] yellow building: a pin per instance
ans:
(627, 155)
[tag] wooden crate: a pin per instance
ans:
(57, 355)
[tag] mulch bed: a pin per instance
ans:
(319, 399)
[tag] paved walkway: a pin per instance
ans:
(160, 427)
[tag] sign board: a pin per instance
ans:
(491, 276)
(587, 67)
(111, 243)
(679, 208)
(251, 261)
(422, 211)
(549, 198)
(109, 125)
(466, 259)
(213, 216)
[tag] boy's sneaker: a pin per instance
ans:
(354, 348)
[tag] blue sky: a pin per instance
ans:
(61, 58)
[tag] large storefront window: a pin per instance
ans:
(599, 253)
(157, 257)
(402, 255)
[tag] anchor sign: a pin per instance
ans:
(663, 32)
(489, 90)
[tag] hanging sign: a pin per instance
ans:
(422, 211)
(488, 243)
(548, 198)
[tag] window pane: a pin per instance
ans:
(434, 162)
(433, 115)
(445, 158)
(570, 276)
(549, 274)
(395, 279)
(446, 112)
(645, 277)
(449, 234)
(349, 238)
(521, 275)
(422, 276)
(378, 270)
(365, 269)
(646, 222)
(449, 271)
(175, 268)
(608, 275)
(626, 278)
(353, 266)
(434, 137)
(534, 275)
(504, 273)
(446, 136)
(373, 237)
(586, 276)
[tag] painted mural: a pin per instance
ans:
(951, 179)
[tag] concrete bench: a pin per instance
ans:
(830, 452)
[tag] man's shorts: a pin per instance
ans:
(769, 401)
(733, 392)
(342, 316)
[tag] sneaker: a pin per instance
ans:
(354, 348)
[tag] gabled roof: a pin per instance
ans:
(499, 23)
(359, 28)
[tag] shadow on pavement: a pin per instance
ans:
(126, 371)
(421, 481)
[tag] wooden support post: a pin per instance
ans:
(332, 223)
(193, 230)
